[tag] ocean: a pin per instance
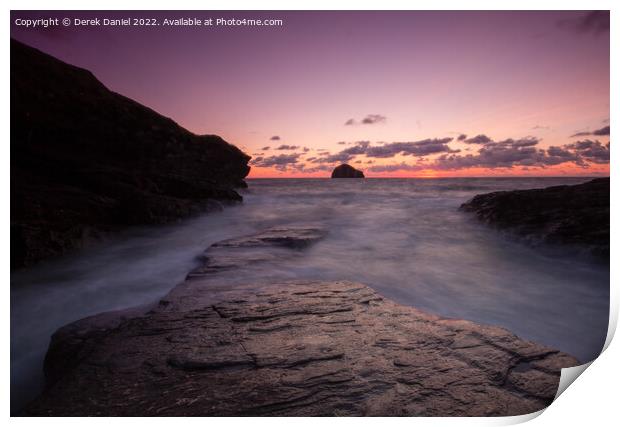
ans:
(405, 238)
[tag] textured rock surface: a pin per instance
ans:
(289, 348)
(85, 160)
(346, 171)
(239, 252)
(567, 214)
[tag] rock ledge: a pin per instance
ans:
(298, 348)
(295, 348)
(567, 214)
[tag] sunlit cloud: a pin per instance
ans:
(280, 162)
(594, 22)
(478, 139)
(370, 119)
(604, 131)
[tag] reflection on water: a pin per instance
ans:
(404, 237)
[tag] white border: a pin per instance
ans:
(592, 400)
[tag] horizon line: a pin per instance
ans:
(434, 177)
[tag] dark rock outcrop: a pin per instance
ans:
(278, 243)
(289, 348)
(346, 171)
(85, 160)
(567, 214)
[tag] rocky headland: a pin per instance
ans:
(568, 214)
(86, 161)
(346, 171)
(298, 347)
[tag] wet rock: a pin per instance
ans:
(568, 214)
(289, 237)
(241, 251)
(86, 161)
(284, 351)
(293, 348)
(346, 171)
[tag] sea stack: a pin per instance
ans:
(347, 171)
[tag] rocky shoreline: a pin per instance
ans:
(289, 348)
(86, 161)
(575, 215)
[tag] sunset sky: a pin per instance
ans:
(392, 93)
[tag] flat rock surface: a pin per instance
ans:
(290, 348)
(566, 214)
(277, 243)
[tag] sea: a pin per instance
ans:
(406, 238)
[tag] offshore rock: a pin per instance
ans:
(346, 171)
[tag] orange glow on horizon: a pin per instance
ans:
(554, 171)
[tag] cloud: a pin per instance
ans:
(265, 148)
(598, 132)
(478, 139)
(317, 168)
(528, 141)
(326, 157)
(593, 151)
(287, 147)
(580, 134)
(523, 152)
(540, 127)
(341, 142)
(370, 119)
(415, 148)
(502, 154)
(274, 138)
(602, 131)
(461, 137)
(281, 162)
(396, 167)
(594, 22)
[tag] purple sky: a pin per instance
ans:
(414, 75)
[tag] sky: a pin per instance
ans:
(393, 93)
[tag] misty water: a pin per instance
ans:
(405, 238)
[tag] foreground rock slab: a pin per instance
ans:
(295, 348)
(566, 214)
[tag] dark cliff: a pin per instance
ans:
(86, 160)
(565, 214)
